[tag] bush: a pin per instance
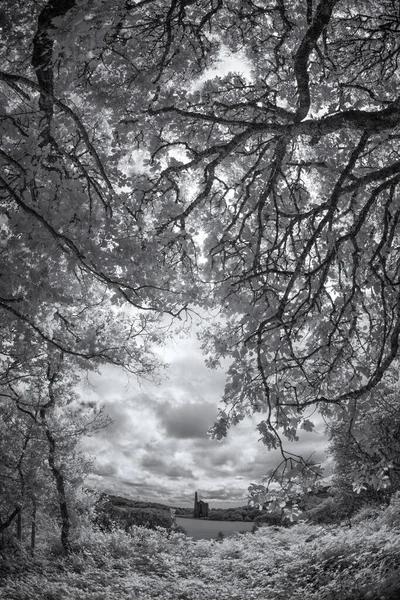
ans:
(391, 515)
(329, 512)
(109, 517)
(366, 513)
(180, 529)
(268, 519)
(149, 517)
(213, 515)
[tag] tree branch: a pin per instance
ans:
(321, 20)
(42, 59)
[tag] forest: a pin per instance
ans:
(146, 187)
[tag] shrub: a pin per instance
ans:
(366, 513)
(268, 519)
(330, 511)
(180, 529)
(391, 515)
(148, 517)
(109, 517)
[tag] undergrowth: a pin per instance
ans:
(306, 561)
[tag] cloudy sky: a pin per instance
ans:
(157, 448)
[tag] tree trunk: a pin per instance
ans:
(60, 483)
(9, 520)
(19, 526)
(62, 499)
(33, 528)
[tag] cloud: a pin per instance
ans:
(223, 493)
(159, 466)
(178, 472)
(153, 463)
(224, 457)
(130, 489)
(105, 470)
(187, 421)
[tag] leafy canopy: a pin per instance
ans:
(133, 174)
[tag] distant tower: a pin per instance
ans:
(200, 508)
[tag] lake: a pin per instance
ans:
(200, 529)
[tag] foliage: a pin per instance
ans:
(139, 181)
(109, 516)
(370, 512)
(150, 518)
(391, 516)
(42, 467)
(330, 511)
(241, 513)
(289, 501)
(135, 173)
(366, 451)
(220, 536)
(270, 518)
(273, 564)
(128, 502)
(61, 297)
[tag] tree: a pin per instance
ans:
(292, 176)
(58, 210)
(220, 536)
(42, 470)
(135, 176)
(366, 452)
(22, 482)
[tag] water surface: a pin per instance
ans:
(200, 529)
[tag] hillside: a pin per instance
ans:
(128, 502)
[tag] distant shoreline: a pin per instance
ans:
(208, 519)
(192, 517)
